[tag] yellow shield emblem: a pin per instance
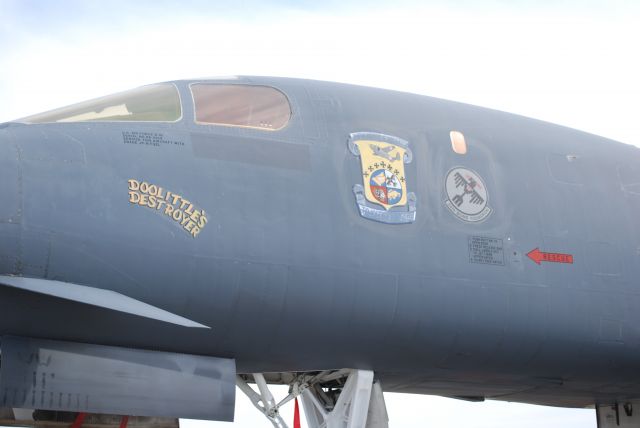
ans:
(382, 161)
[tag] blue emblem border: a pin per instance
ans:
(397, 215)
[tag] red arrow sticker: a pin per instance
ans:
(540, 256)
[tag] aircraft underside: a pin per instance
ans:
(30, 378)
(83, 385)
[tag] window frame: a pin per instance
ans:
(228, 125)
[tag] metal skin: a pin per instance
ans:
(289, 276)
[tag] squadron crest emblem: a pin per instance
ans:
(384, 184)
(467, 195)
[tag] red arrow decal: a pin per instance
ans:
(538, 256)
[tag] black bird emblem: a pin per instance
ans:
(468, 188)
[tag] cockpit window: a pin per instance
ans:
(153, 103)
(248, 106)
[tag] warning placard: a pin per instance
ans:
(486, 251)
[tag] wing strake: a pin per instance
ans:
(97, 297)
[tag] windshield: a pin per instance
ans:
(153, 103)
(259, 107)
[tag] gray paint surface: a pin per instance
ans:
(76, 377)
(290, 277)
(96, 297)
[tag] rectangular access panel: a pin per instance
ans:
(78, 377)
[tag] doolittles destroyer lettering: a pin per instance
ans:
(172, 205)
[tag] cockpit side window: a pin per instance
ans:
(152, 103)
(260, 107)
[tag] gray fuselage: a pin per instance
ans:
(289, 275)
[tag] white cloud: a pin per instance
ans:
(575, 70)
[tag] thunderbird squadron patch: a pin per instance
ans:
(467, 195)
(382, 160)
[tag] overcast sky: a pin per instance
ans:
(568, 62)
